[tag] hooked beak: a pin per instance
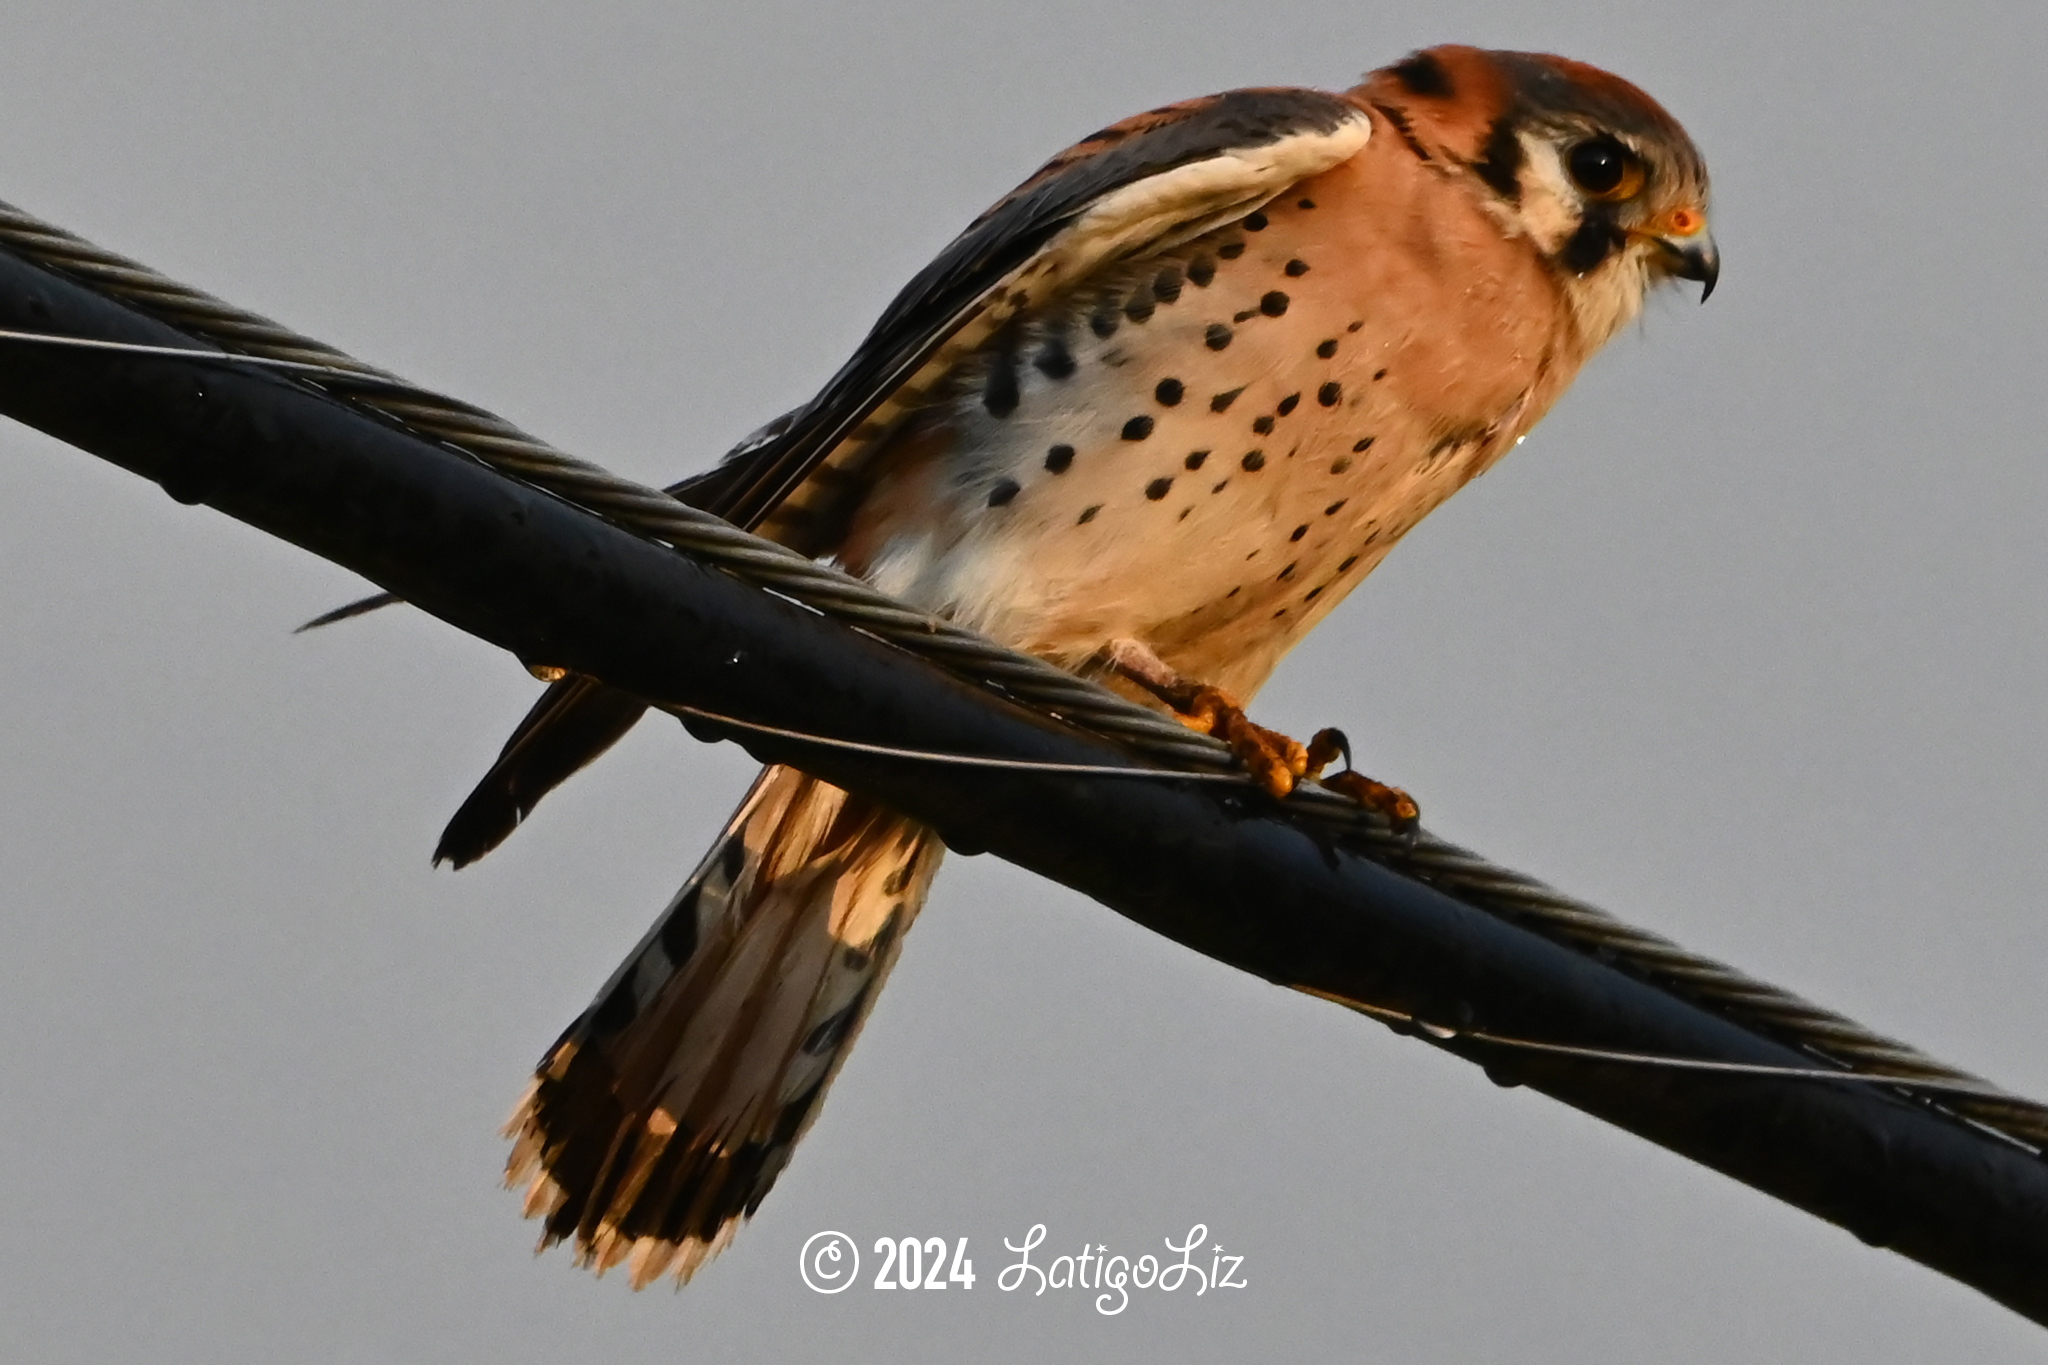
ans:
(1693, 258)
(1684, 247)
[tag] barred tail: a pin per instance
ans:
(662, 1117)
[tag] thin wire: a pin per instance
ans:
(1600, 1054)
(1513, 896)
(1032, 765)
(1439, 1031)
(678, 708)
(825, 741)
(188, 353)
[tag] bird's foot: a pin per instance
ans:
(1398, 806)
(1277, 762)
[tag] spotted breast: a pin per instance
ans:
(1164, 405)
(1206, 449)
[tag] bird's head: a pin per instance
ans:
(1606, 184)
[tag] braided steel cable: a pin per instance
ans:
(1459, 872)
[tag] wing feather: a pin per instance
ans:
(1146, 184)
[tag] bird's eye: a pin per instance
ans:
(1604, 168)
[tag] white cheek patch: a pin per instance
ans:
(1549, 212)
(1550, 207)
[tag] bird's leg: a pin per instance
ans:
(1275, 761)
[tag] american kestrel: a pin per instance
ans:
(1151, 416)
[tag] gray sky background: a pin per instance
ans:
(1746, 643)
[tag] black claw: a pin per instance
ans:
(1327, 737)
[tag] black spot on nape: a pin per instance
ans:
(1169, 392)
(1256, 221)
(1273, 304)
(1288, 404)
(1327, 349)
(1195, 459)
(1254, 460)
(1334, 508)
(1340, 464)
(1500, 161)
(1138, 428)
(1059, 458)
(1201, 271)
(1002, 493)
(1299, 532)
(1304, 203)
(1263, 423)
(1230, 251)
(1104, 323)
(1054, 360)
(1295, 268)
(1158, 489)
(1401, 126)
(1423, 74)
(1224, 400)
(1217, 337)
(1088, 514)
(1595, 240)
(1330, 394)
(1166, 284)
(1000, 394)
